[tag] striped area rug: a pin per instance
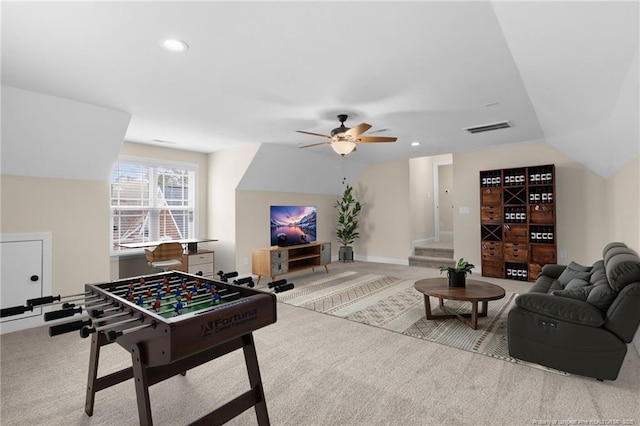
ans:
(393, 304)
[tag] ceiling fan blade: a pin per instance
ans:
(367, 139)
(358, 130)
(315, 144)
(314, 134)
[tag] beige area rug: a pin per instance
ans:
(393, 304)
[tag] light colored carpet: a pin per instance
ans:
(317, 370)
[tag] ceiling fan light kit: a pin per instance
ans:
(343, 139)
(343, 147)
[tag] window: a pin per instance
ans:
(152, 201)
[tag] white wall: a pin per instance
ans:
(226, 169)
(385, 230)
(623, 201)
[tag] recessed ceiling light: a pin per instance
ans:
(174, 45)
(164, 141)
(416, 143)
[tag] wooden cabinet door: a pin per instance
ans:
(492, 250)
(516, 253)
(516, 233)
(543, 254)
(542, 214)
(491, 214)
(491, 197)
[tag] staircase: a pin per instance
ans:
(432, 257)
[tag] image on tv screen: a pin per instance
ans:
(292, 225)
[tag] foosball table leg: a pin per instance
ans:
(142, 387)
(92, 380)
(255, 381)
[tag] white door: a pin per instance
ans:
(21, 276)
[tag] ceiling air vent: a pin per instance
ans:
(488, 127)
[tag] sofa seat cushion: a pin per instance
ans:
(562, 308)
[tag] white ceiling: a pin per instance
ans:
(566, 72)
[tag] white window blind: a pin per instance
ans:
(152, 201)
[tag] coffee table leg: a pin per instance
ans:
(427, 307)
(483, 312)
(474, 315)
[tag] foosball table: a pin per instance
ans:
(170, 322)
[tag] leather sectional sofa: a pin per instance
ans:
(580, 319)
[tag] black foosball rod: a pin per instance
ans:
(224, 277)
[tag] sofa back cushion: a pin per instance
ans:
(622, 268)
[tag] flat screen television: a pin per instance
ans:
(292, 225)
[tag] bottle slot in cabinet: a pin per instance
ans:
(541, 234)
(540, 175)
(540, 194)
(516, 271)
(491, 179)
(515, 215)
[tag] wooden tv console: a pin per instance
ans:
(274, 261)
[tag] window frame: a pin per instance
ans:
(155, 163)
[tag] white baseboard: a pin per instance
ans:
(392, 261)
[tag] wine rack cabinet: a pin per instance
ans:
(518, 221)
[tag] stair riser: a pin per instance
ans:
(434, 252)
(427, 262)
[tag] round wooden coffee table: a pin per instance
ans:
(474, 292)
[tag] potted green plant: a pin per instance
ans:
(458, 274)
(348, 209)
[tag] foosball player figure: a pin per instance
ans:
(188, 295)
(130, 295)
(140, 301)
(179, 307)
(149, 293)
(167, 289)
(197, 283)
(142, 281)
(165, 281)
(216, 297)
(157, 304)
(178, 293)
(183, 284)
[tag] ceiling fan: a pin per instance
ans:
(343, 139)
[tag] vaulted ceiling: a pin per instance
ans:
(255, 72)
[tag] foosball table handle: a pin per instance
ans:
(43, 300)
(273, 284)
(62, 313)
(55, 330)
(16, 310)
(246, 280)
(86, 331)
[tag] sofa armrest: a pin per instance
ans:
(562, 309)
(553, 271)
